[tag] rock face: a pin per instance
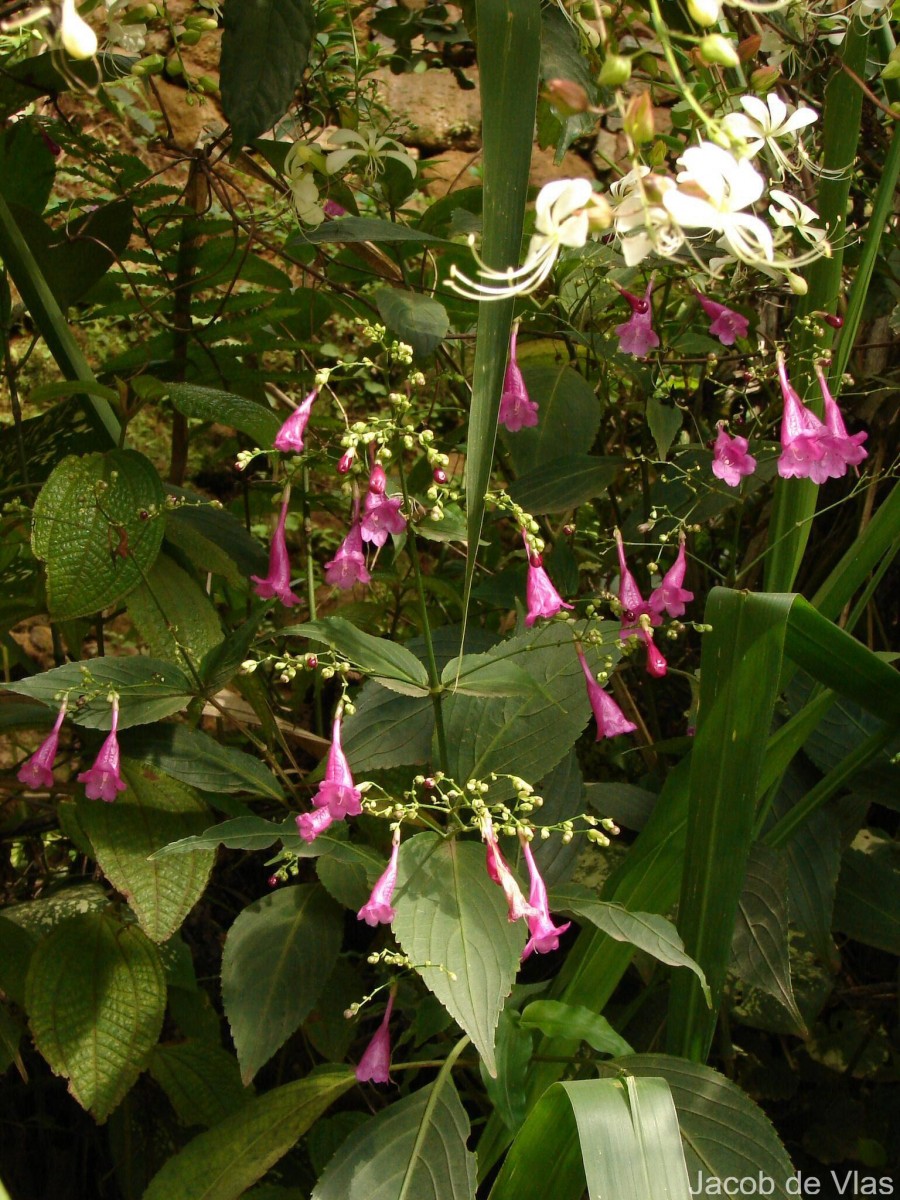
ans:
(439, 113)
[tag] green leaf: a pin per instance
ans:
(509, 49)
(416, 319)
(173, 614)
(152, 812)
(147, 688)
(664, 421)
(412, 1150)
(723, 1131)
(391, 664)
(202, 1082)
(365, 229)
(450, 913)
(740, 669)
(513, 1049)
(96, 995)
(98, 526)
(278, 955)
(619, 1138)
(646, 931)
(568, 420)
(16, 948)
(240, 833)
(265, 46)
(866, 906)
(564, 483)
(212, 404)
(555, 1019)
(216, 541)
(224, 1162)
(27, 166)
(484, 675)
(223, 661)
(194, 758)
(388, 730)
(760, 945)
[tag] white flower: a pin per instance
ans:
(713, 190)
(763, 123)
(305, 197)
(567, 211)
(77, 37)
(641, 222)
(790, 213)
(370, 146)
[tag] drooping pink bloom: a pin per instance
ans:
(656, 662)
(290, 435)
(517, 409)
(730, 458)
(544, 934)
(726, 324)
(609, 717)
(670, 597)
(499, 872)
(337, 791)
(311, 824)
(278, 581)
(636, 335)
(804, 438)
(381, 513)
(845, 447)
(541, 596)
(37, 771)
(375, 1064)
(378, 910)
(102, 781)
(634, 606)
(349, 564)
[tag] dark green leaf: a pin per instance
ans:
(388, 730)
(867, 905)
(211, 404)
(568, 420)
(365, 229)
(203, 1082)
(665, 422)
(173, 614)
(193, 757)
(564, 483)
(391, 664)
(416, 319)
(27, 166)
(216, 541)
(16, 948)
(555, 1019)
(513, 1049)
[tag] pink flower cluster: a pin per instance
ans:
(544, 935)
(380, 518)
(102, 780)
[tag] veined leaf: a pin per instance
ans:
(417, 320)
(449, 913)
(484, 675)
(866, 906)
(564, 482)
(365, 229)
(212, 404)
(391, 664)
(175, 617)
(202, 1082)
(194, 758)
(555, 1019)
(513, 1048)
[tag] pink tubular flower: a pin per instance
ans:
(726, 324)
(670, 597)
(337, 791)
(541, 596)
(102, 781)
(609, 717)
(37, 771)
(381, 513)
(656, 663)
(804, 439)
(375, 1064)
(378, 910)
(634, 606)
(311, 824)
(847, 448)
(544, 934)
(290, 435)
(349, 564)
(636, 335)
(517, 409)
(499, 872)
(278, 581)
(730, 459)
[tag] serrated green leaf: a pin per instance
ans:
(216, 541)
(89, 532)
(412, 1150)
(760, 948)
(224, 1162)
(555, 1019)
(173, 614)
(278, 955)
(194, 758)
(150, 813)
(484, 675)
(265, 46)
(96, 995)
(388, 730)
(416, 319)
(647, 931)
(450, 913)
(202, 1082)
(148, 689)
(213, 404)
(240, 833)
(392, 665)
(564, 482)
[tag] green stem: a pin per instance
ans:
(311, 596)
(434, 675)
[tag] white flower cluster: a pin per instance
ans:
(717, 194)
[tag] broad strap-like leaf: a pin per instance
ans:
(152, 812)
(98, 525)
(264, 51)
(223, 1162)
(278, 955)
(412, 1150)
(451, 915)
(95, 996)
